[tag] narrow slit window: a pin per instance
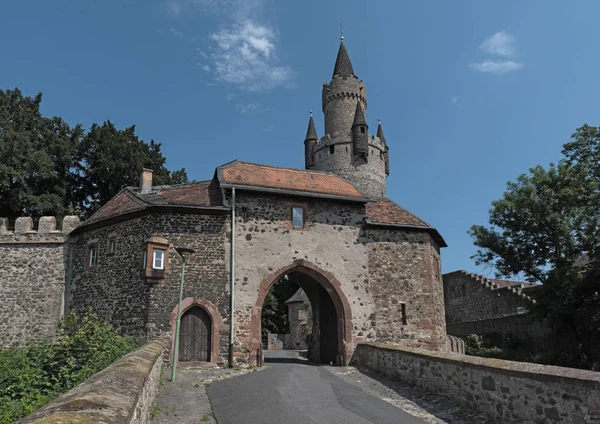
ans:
(93, 258)
(403, 310)
(298, 217)
(112, 246)
(362, 130)
(145, 259)
(158, 260)
(331, 149)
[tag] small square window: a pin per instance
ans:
(297, 217)
(362, 130)
(93, 257)
(158, 259)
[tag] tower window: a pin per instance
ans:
(331, 149)
(297, 217)
(362, 130)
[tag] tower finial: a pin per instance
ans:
(379, 121)
(341, 28)
(311, 113)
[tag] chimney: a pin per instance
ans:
(146, 181)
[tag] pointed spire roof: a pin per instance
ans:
(359, 116)
(311, 133)
(343, 66)
(380, 132)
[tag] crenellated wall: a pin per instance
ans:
(33, 273)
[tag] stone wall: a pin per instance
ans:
(122, 393)
(119, 290)
(506, 391)
(470, 300)
(33, 271)
(377, 269)
(405, 280)
(298, 320)
(276, 341)
(500, 314)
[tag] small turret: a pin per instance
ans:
(360, 133)
(309, 143)
(387, 149)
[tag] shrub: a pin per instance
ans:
(33, 375)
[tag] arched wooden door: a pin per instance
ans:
(195, 335)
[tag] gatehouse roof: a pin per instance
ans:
(207, 196)
(250, 175)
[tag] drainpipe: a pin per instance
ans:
(232, 276)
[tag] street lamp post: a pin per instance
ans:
(182, 251)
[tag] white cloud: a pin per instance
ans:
(500, 44)
(245, 108)
(454, 100)
(496, 67)
(176, 33)
(269, 128)
(242, 53)
(244, 56)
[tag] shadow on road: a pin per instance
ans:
(300, 361)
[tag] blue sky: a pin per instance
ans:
(470, 93)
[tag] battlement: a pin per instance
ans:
(42, 225)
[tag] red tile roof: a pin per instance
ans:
(205, 193)
(200, 194)
(262, 176)
(385, 212)
(122, 203)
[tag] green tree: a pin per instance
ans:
(546, 228)
(50, 168)
(36, 158)
(275, 312)
(110, 159)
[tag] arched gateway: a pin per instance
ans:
(332, 323)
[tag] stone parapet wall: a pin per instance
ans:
(33, 273)
(506, 391)
(122, 393)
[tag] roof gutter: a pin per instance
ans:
(298, 193)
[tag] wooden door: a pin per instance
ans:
(195, 335)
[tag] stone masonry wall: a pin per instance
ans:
(33, 271)
(122, 393)
(118, 290)
(497, 314)
(508, 392)
(468, 300)
(374, 267)
(404, 269)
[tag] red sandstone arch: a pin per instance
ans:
(333, 288)
(215, 320)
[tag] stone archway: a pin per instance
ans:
(333, 288)
(216, 324)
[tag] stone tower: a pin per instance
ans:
(347, 149)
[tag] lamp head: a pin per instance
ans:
(184, 250)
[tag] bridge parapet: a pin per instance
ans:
(506, 391)
(122, 393)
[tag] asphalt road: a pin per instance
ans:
(291, 390)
